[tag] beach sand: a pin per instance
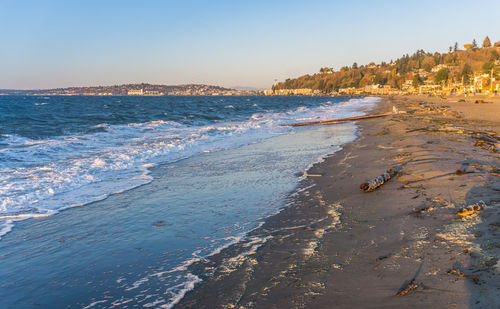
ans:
(336, 246)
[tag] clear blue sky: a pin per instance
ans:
(46, 44)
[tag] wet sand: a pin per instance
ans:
(336, 246)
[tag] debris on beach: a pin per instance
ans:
(411, 286)
(373, 184)
(422, 210)
(471, 209)
(487, 145)
(401, 156)
(457, 272)
(481, 165)
(383, 257)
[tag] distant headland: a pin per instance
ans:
(136, 90)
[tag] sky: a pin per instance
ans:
(51, 44)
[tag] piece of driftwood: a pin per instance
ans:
(471, 209)
(331, 121)
(480, 165)
(383, 257)
(457, 272)
(376, 182)
(412, 285)
(487, 145)
(422, 210)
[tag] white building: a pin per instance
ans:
(136, 92)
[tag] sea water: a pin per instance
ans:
(162, 181)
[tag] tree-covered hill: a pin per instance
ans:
(454, 66)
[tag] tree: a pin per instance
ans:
(487, 66)
(366, 80)
(466, 73)
(380, 80)
(442, 75)
(455, 48)
(487, 42)
(474, 44)
(417, 81)
(428, 63)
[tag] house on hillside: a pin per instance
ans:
(429, 89)
(439, 67)
(372, 89)
(347, 91)
(408, 86)
(300, 91)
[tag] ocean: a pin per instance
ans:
(148, 185)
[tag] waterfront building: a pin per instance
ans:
(135, 92)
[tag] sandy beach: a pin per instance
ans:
(336, 246)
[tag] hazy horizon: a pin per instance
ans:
(58, 44)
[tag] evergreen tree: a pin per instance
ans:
(455, 48)
(487, 42)
(417, 81)
(466, 73)
(474, 44)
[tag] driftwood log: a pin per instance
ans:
(331, 121)
(373, 184)
(471, 209)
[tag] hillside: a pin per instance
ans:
(458, 69)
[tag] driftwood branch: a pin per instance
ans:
(412, 285)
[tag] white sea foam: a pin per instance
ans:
(41, 177)
(187, 286)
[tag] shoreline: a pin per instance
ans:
(129, 238)
(336, 245)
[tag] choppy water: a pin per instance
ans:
(211, 168)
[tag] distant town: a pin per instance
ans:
(137, 90)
